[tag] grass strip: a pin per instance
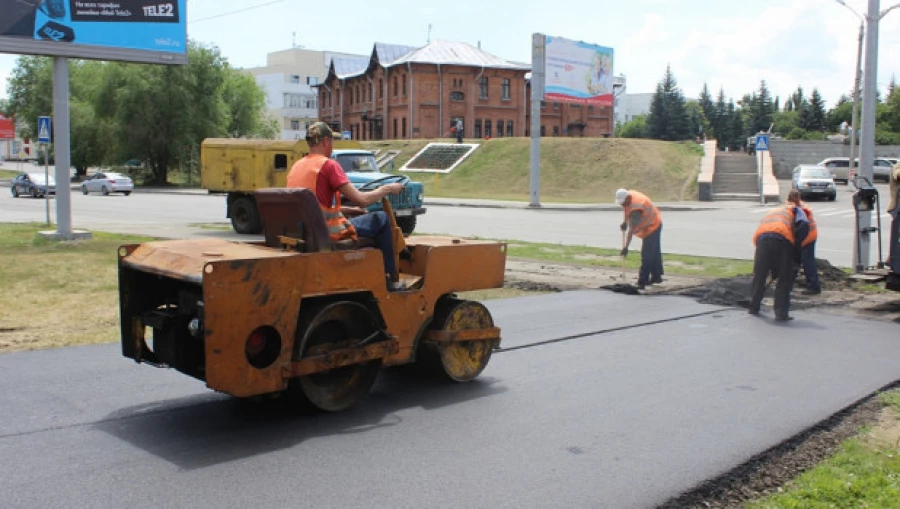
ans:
(57, 293)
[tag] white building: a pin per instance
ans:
(288, 80)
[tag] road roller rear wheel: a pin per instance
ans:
(323, 329)
(464, 360)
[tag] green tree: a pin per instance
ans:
(736, 139)
(634, 128)
(245, 103)
(709, 111)
(30, 91)
(812, 115)
(761, 109)
(722, 124)
(668, 119)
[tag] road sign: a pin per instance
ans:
(762, 142)
(43, 129)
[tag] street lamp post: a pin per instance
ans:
(869, 107)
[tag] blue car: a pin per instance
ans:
(361, 169)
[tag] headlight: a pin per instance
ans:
(806, 185)
(829, 185)
(420, 196)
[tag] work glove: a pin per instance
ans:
(623, 226)
(624, 252)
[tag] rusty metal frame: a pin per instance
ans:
(453, 336)
(340, 358)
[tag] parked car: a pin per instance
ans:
(839, 168)
(813, 180)
(108, 183)
(881, 168)
(35, 184)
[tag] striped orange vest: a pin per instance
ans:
(650, 216)
(813, 230)
(305, 173)
(779, 220)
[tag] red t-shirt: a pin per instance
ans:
(331, 178)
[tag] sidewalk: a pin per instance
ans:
(492, 204)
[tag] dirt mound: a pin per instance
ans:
(831, 277)
(733, 291)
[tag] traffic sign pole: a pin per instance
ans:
(44, 142)
(762, 145)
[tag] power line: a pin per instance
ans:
(235, 12)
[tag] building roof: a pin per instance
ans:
(347, 67)
(388, 53)
(457, 53)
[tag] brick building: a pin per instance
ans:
(400, 92)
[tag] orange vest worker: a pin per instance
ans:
(779, 220)
(813, 231)
(305, 173)
(650, 216)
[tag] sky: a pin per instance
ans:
(726, 44)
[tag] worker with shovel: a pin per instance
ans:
(779, 240)
(642, 220)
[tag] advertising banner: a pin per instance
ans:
(7, 129)
(132, 30)
(578, 72)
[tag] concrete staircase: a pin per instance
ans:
(735, 178)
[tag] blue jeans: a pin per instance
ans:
(651, 258)
(376, 225)
(808, 261)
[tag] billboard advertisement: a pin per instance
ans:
(151, 31)
(7, 129)
(577, 72)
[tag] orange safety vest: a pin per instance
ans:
(779, 220)
(813, 230)
(305, 173)
(650, 216)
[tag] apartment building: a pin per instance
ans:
(289, 79)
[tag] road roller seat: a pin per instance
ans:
(293, 219)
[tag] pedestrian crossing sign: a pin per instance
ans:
(762, 142)
(43, 129)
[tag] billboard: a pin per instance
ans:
(7, 129)
(152, 31)
(577, 72)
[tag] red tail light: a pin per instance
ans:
(112, 181)
(256, 343)
(263, 346)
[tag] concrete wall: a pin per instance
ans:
(707, 171)
(788, 154)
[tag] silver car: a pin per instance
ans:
(813, 180)
(108, 183)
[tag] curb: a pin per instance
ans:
(451, 202)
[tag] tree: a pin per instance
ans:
(722, 124)
(709, 111)
(634, 128)
(245, 103)
(761, 109)
(668, 119)
(30, 92)
(812, 115)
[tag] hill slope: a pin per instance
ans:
(576, 170)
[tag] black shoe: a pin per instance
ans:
(811, 292)
(641, 286)
(754, 312)
(656, 281)
(784, 318)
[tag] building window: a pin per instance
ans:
(575, 106)
(556, 130)
(295, 125)
(280, 161)
(403, 79)
(359, 97)
(312, 80)
(487, 128)
(504, 89)
(483, 88)
(395, 129)
(457, 96)
(311, 104)
(499, 128)
(556, 106)
(381, 89)
(293, 101)
(295, 78)
(371, 93)
(509, 129)
(543, 131)
(396, 87)
(477, 133)
(543, 105)
(403, 131)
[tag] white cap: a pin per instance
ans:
(621, 194)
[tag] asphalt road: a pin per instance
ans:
(647, 398)
(721, 230)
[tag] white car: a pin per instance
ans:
(108, 183)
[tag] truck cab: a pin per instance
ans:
(361, 169)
